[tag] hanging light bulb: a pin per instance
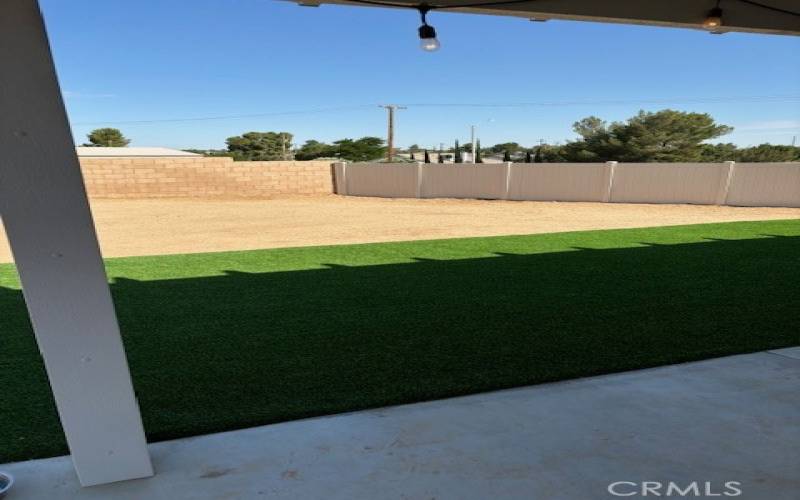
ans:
(427, 38)
(427, 34)
(714, 18)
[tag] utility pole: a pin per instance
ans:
(473, 134)
(390, 135)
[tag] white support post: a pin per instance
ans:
(50, 230)
(722, 194)
(611, 167)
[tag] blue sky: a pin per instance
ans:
(155, 60)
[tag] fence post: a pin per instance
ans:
(508, 179)
(722, 194)
(345, 187)
(611, 166)
(340, 181)
(419, 179)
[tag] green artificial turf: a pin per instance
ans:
(229, 340)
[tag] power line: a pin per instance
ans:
(610, 102)
(231, 117)
(700, 100)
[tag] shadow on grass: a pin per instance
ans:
(217, 353)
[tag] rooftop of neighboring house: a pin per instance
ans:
(84, 151)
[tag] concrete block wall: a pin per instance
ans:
(218, 177)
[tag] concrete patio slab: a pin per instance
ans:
(792, 352)
(727, 419)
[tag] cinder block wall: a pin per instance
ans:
(166, 177)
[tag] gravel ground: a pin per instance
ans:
(159, 226)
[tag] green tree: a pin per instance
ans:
(457, 158)
(260, 146)
(549, 153)
(478, 158)
(589, 127)
(718, 152)
(107, 137)
(509, 147)
(506, 156)
(663, 136)
(768, 153)
(427, 157)
(552, 153)
(312, 149)
(761, 153)
(364, 149)
(210, 152)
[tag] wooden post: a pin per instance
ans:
(390, 132)
(50, 230)
(390, 138)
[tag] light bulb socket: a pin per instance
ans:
(427, 34)
(714, 18)
(426, 31)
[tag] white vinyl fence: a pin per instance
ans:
(696, 183)
(486, 181)
(741, 184)
(380, 179)
(560, 181)
(765, 185)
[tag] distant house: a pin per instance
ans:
(94, 152)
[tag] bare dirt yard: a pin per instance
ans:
(159, 226)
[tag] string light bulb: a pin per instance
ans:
(714, 18)
(427, 34)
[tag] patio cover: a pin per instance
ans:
(754, 16)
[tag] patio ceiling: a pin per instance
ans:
(755, 16)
